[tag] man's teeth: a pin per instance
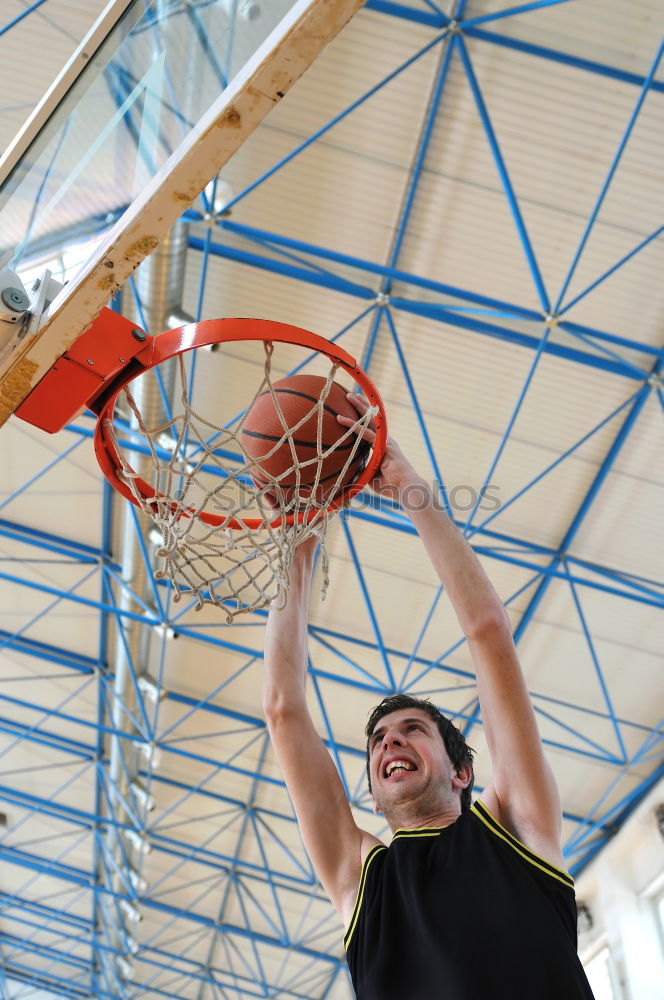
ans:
(398, 765)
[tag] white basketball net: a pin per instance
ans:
(197, 466)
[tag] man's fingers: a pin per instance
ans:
(368, 434)
(361, 403)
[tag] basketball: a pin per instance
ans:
(263, 429)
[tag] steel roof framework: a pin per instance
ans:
(82, 956)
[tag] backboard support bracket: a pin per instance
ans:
(82, 372)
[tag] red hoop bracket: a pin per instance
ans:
(104, 351)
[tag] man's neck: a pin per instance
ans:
(412, 819)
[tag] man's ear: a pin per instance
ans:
(462, 777)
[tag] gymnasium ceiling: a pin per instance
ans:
(482, 229)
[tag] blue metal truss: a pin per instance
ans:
(67, 953)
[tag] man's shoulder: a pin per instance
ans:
(369, 847)
(528, 844)
(369, 843)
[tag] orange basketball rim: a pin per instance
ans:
(114, 351)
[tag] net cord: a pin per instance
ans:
(239, 569)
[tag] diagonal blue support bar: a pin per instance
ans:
(209, 50)
(610, 175)
(640, 583)
(580, 515)
(603, 752)
(416, 406)
(598, 670)
(289, 255)
(368, 602)
(74, 550)
(372, 339)
(330, 734)
(422, 151)
(584, 338)
(113, 576)
(504, 176)
(371, 267)
(285, 269)
(508, 429)
(43, 612)
(607, 274)
(509, 12)
(473, 719)
(149, 956)
(45, 651)
(77, 599)
(4, 985)
(432, 310)
(79, 877)
(561, 458)
(32, 803)
(49, 981)
(443, 315)
(149, 568)
(232, 881)
(614, 819)
(493, 306)
(196, 704)
(436, 10)
(42, 472)
(655, 737)
(106, 687)
(407, 13)
(566, 58)
(55, 712)
(281, 931)
(370, 682)
(420, 637)
(319, 133)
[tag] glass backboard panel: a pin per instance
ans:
(155, 75)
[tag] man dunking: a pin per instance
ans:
(466, 902)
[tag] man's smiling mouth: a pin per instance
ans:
(398, 767)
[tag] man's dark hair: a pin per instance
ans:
(457, 749)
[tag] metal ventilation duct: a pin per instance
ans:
(159, 286)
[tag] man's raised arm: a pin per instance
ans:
(522, 793)
(331, 837)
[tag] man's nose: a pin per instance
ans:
(393, 738)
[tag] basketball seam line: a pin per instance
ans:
(297, 442)
(302, 395)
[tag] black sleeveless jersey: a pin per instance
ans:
(463, 912)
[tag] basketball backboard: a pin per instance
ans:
(116, 152)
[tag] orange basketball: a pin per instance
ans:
(263, 429)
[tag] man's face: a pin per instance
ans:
(408, 760)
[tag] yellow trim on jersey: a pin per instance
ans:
(360, 892)
(419, 831)
(535, 859)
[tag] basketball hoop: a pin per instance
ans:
(228, 528)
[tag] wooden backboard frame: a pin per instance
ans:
(259, 86)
